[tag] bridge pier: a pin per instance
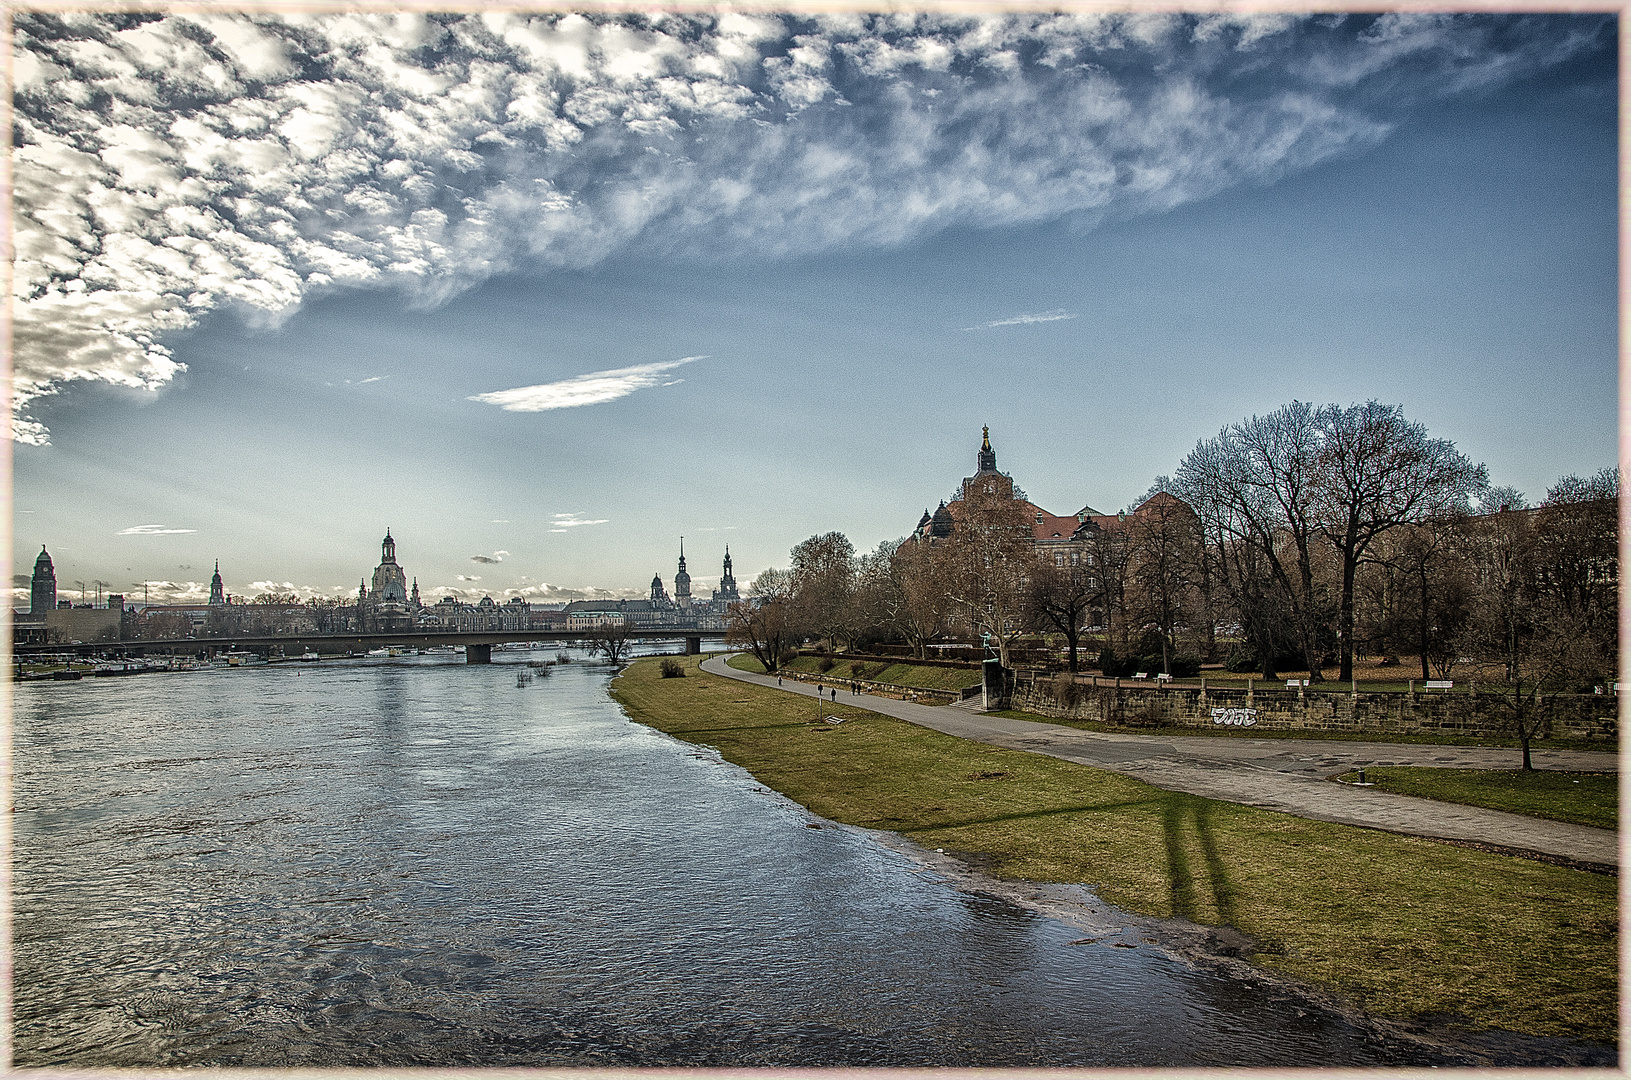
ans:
(478, 654)
(693, 646)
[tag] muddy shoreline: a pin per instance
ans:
(1225, 951)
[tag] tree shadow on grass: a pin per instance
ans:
(1191, 894)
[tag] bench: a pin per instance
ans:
(1439, 684)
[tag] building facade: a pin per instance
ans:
(1063, 539)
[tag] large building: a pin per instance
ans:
(50, 620)
(1060, 536)
(42, 595)
(387, 606)
(682, 611)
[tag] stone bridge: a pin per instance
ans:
(478, 644)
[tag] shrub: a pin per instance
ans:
(856, 668)
(563, 658)
(672, 669)
(827, 664)
(1245, 659)
(1186, 666)
(1067, 691)
(1115, 666)
(786, 656)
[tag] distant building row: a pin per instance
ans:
(392, 604)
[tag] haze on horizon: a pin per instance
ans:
(543, 293)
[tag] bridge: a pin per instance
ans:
(478, 644)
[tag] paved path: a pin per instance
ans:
(1288, 775)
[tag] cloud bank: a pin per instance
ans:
(591, 389)
(1024, 320)
(150, 530)
(563, 522)
(169, 164)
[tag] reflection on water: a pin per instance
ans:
(420, 862)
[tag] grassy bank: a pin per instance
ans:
(917, 676)
(1215, 732)
(1581, 798)
(1404, 927)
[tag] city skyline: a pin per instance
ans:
(543, 295)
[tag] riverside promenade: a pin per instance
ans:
(1288, 775)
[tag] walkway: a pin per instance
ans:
(1288, 775)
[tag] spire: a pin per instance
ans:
(987, 458)
(218, 593)
(682, 554)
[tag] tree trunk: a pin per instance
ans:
(1424, 625)
(1345, 621)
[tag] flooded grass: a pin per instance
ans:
(1404, 927)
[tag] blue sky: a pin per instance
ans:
(758, 278)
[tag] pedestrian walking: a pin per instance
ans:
(778, 680)
(835, 695)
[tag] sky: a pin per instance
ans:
(544, 293)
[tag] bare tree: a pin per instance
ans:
(1510, 624)
(921, 574)
(823, 586)
(1253, 488)
(1163, 556)
(1375, 471)
(1577, 554)
(991, 560)
(613, 640)
(763, 621)
(1062, 598)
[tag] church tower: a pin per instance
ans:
(986, 479)
(986, 460)
(682, 582)
(390, 583)
(727, 582)
(42, 593)
(218, 591)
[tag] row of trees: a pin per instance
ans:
(1291, 541)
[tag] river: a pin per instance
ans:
(417, 862)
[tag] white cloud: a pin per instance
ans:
(1023, 320)
(150, 530)
(199, 160)
(594, 388)
(564, 522)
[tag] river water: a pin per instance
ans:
(418, 862)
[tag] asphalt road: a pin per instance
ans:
(1288, 775)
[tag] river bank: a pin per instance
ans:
(1403, 929)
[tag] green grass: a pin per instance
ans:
(1402, 926)
(1212, 732)
(1581, 798)
(917, 676)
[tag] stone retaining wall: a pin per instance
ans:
(1575, 716)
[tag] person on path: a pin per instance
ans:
(778, 680)
(835, 695)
